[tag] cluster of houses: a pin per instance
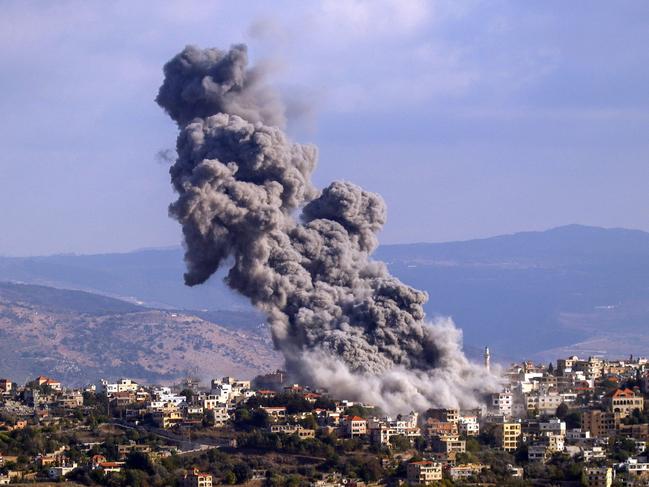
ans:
(593, 392)
(581, 408)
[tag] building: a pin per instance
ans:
(487, 359)
(502, 403)
(71, 400)
(448, 445)
(46, 381)
(125, 449)
(56, 473)
(464, 472)
(196, 478)
(624, 402)
(435, 427)
(122, 385)
(507, 436)
(538, 453)
(469, 426)
(6, 386)
(381, 433)
(424, 472)
(597, 477)
(293, 429)
(355, 426)
(275, 413)
(638, 471)
(599, 423)
(553, 426)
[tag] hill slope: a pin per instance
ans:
(572, 288)
(80, 337)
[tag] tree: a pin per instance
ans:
(139, 461)
(242, 472)
(400, 442)
(562, 411)
(188, 393)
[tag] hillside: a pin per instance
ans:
(572, 288)
(79, 337)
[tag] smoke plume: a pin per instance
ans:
(340, 319)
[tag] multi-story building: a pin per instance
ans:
(355, 426)
(122, 385)
(424, 472)
(450, 415)
(554, 426)
(507, 435)
(502, 403)
(599, 423)
(597, 477)
(624, 402)
(469, 426)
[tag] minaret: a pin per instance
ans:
(487, 359)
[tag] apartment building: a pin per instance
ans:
(507, 435)
(424, 472)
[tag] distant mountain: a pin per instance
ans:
(79, 337)
(569, 289)
(572, 288)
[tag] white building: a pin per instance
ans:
(122, 385)
(502, 403)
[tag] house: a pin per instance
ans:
(638, 471)
(124, 450)
(355, 426)
(110, 467)
(469, 426)
(96, 460)
(381, 433)
(122, 385)
(293, 429)
(463, 472)
(196, 478)
(275, 412)
(266, 393)
(597, 477)
(449, 445)
(56, 473)
(71, 400)
(447, 415)
(424, 472)
(42, 380)
(122, 398)
(539, 453)
(624, 402)
(219, 417)
(435, 427)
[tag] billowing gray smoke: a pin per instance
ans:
(340, 319)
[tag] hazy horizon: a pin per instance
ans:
(179, 245)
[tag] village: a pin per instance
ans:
(573, 422)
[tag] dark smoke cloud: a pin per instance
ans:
(202, 82)
(339, 317)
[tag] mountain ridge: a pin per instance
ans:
(531, 292)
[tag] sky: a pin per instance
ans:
(471, 118)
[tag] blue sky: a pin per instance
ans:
(471, 118)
